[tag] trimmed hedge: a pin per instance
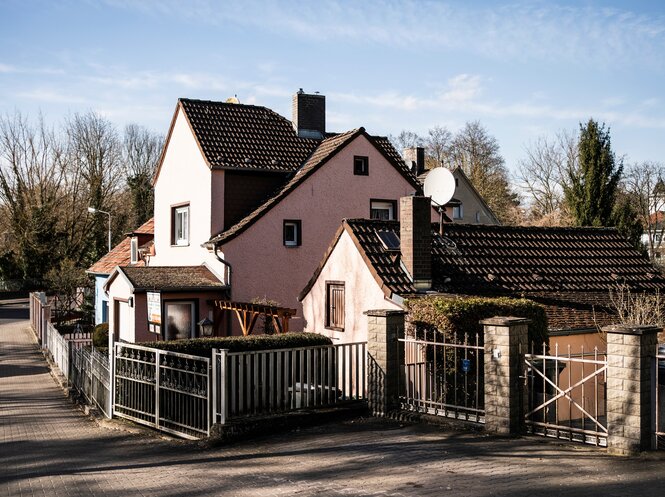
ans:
(456, 316)
(203, 346)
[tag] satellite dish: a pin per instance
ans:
(440, 185)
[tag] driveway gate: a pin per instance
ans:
(443, 376)
(565, 395)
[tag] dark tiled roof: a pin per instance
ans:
(569, 270)
(326, 150)
(172, 278)
(120, 254)
(246, 137)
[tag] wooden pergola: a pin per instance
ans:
(247, 314)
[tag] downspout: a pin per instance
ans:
(229, 269)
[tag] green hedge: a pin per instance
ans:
(203, 346)
(457, 315)
(100, 335)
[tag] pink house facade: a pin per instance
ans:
(255, 199)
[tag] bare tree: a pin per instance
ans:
(476, 152)
(406, 139)
(32, 184)
(644, 182)
(437, 146)
(141, 151)
(541, 173)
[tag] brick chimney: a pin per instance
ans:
(415, 159)
(309, 115)
(416, 239)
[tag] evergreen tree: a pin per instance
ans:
(591, 190)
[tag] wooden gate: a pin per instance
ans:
(565, 395)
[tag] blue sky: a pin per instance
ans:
(523, 69)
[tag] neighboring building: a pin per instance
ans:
(254, 199)
(133, 250)
(467, 206)
(654, 239)
(376, 264)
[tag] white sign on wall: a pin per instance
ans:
(154, 311)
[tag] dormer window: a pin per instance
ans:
(361, 165)
(133, 250)
(180, 224)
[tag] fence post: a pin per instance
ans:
(506, 341)
(630, 361)
(385, 357)
(157, 366)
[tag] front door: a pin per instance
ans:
(179, 318)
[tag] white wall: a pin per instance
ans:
(361, 293)
(185, 177)
(120, 290)
(100, 297)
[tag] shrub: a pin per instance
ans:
(100, 336)
(203, 346)
(457, 316)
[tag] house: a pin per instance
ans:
(377, 264)
(133, 250)
(467, 206)
(246, 196)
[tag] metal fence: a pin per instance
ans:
(165, 390)
(443, 376)
(566, 395)
(659, 404)
(90, 374)
(263, 382)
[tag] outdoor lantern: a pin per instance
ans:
(205, 327)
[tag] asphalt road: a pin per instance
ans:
(14, 310)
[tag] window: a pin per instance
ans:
(180, 321)
(133, 250)
(292, 233)
(180, 222)
(361, 165)
(335, 305)
(477, 216)
(458, 212)
(383, 209)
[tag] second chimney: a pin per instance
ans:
(416, 239)
(309, 115)
(415, 159)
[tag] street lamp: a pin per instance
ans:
(94, 211)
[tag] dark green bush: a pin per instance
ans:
(203, 346)
(456, 316)
(100, 335)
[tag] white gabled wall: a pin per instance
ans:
(185, 177)
(361, 293)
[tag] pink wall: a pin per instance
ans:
(263, 267)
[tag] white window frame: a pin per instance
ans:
(192, 304)
(133, 250)
(296, 241)
(382, 205)
(181, 225)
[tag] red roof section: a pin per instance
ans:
(120, 254)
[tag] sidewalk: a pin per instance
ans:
(47, 447)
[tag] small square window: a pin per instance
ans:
(292, 233)
(361, 165)
(458, 212)
(180, 225)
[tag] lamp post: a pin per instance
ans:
(94, 211)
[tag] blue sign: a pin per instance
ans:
(466, 365)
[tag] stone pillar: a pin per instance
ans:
(630, 362)
(506, 342)
(385, 356)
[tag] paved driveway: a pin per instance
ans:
(49, 448)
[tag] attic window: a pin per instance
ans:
(133, 250)
(389, 240)
(361, 165)
(292, 233)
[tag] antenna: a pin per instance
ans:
(440, 186)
